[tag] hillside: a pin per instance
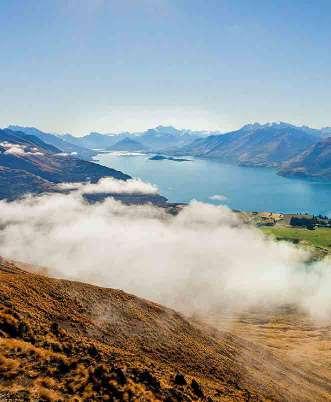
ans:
(62, 339)
(254, 144)
(29, 142)
(56, 141)
(36, 165)
(315, 162)
(16, 183)
(270, 144)
(28, 165)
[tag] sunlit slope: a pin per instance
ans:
(62, 339)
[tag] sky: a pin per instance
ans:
(126, 65)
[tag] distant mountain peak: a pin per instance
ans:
(128, 140)
(274, 124)
(251, 126)
(127, 144)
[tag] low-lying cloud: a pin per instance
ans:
(18, 149)
(112, 186)
(201, 260)
(66, 154)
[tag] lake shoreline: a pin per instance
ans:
(242, 188)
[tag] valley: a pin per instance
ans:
(165, 201)
(294, 151)
(242, 188)
(66, 340)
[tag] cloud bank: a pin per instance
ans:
(202, 260)
(66, 154)
(112, 186)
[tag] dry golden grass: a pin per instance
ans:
(293, 338)
(62, 340)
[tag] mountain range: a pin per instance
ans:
(56, 141)
(279, 145)
(254, 144)
(154, 139)
(94, 140)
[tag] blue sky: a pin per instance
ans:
(112, 65)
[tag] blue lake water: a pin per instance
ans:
(245, 188)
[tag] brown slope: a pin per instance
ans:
(59, 168)
(62, 339)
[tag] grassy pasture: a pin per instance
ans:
(320, 237)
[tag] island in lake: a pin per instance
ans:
(169, 158)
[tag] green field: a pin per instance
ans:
(320, 237)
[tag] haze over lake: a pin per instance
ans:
(245, 188)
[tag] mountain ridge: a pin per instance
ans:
(261, 145)
(28, 165)
(274, 144)
(56, 141)
(157, 138)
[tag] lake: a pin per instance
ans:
(245, 188)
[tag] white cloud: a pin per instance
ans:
(113, 186)
(18, 149)
(203, 259)
(62, 154)
(66, 154)
(218, 197)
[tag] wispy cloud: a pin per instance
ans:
(218, 197)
